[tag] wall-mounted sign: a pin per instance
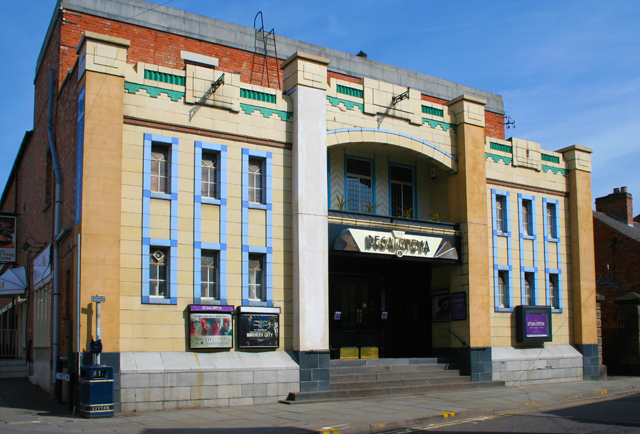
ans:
(42, 268)
(397, 243)
(533, 324)
(441, 307)
(7, 238)
(210, 326)
(458, 306)
(258, 327)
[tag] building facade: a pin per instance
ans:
(617, 241)
(248, 217)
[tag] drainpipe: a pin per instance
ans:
(56, 225)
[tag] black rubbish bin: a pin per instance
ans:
(96, 391)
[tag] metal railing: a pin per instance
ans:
(8, 343)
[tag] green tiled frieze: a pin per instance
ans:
(349, 91)
(497, 158)
(266, 112)
(432, 111)
(550, 158)
(555, 170)
(500, 147)
(348, 104)
(163, 77)
(257, 96)
(153, 91)
(433, 124)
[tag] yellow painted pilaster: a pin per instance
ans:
(102, 64)
(468, 206)
(583, 285)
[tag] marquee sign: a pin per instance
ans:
(397, 243)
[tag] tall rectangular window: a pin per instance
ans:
(551, 220)
(256, 180)
(158, 272)
(503, 289)
(500, 213)
(159, 169)
(527, 217)
(210, 175)
(401, 180)
(256, 277)
(554, 293)
(359, 185)
(209, 274)
(529, 288)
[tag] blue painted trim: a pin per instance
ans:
(547, 241)
(523, 236)
(267, 206)
(328, 178)
(395, 133)
(147, 195)
(507, 234)
(221, 202)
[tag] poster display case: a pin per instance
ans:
(533, 324)
(210, 326)
(258, 327)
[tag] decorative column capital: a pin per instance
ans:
(305, 69)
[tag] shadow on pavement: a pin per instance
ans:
(620, 411)
(273, 430)
(20, 394)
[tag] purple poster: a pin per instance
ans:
(536, 325)
(458, 306)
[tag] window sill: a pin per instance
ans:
(253, 205)
(504, 309)
(164, 196)
(552, 240)
(528, 237)
(213, 201)
(556, 310)
(150, 299)
(210, 301)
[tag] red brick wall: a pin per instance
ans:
(433, 99)
(619, 204)
(493, 125)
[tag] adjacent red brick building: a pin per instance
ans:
(617, 254)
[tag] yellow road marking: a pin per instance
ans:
(602, 391)
(529, 403)
(329, 430)
(448, 414)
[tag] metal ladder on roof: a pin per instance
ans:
(265, 46)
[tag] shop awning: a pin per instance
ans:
(13, 282)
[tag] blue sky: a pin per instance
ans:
(568, 71)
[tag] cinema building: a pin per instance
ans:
(253, 208)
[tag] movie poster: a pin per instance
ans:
(258, 330)
(211, 327)
(441, 308)
(7, 239)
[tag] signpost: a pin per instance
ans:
(96, 346)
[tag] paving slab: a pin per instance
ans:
(25, 408)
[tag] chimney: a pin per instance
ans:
(618, 204)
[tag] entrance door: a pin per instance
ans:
(355, 305)
(379, 307)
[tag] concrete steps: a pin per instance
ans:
(373, 378)
(13, 368)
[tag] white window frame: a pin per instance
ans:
(356, 203)
(208, 183)
(158, 280)
(163, 172)
(257, 290)
(402, 184)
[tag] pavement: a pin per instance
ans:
(25, 408)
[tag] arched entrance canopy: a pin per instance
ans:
(391, 138)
